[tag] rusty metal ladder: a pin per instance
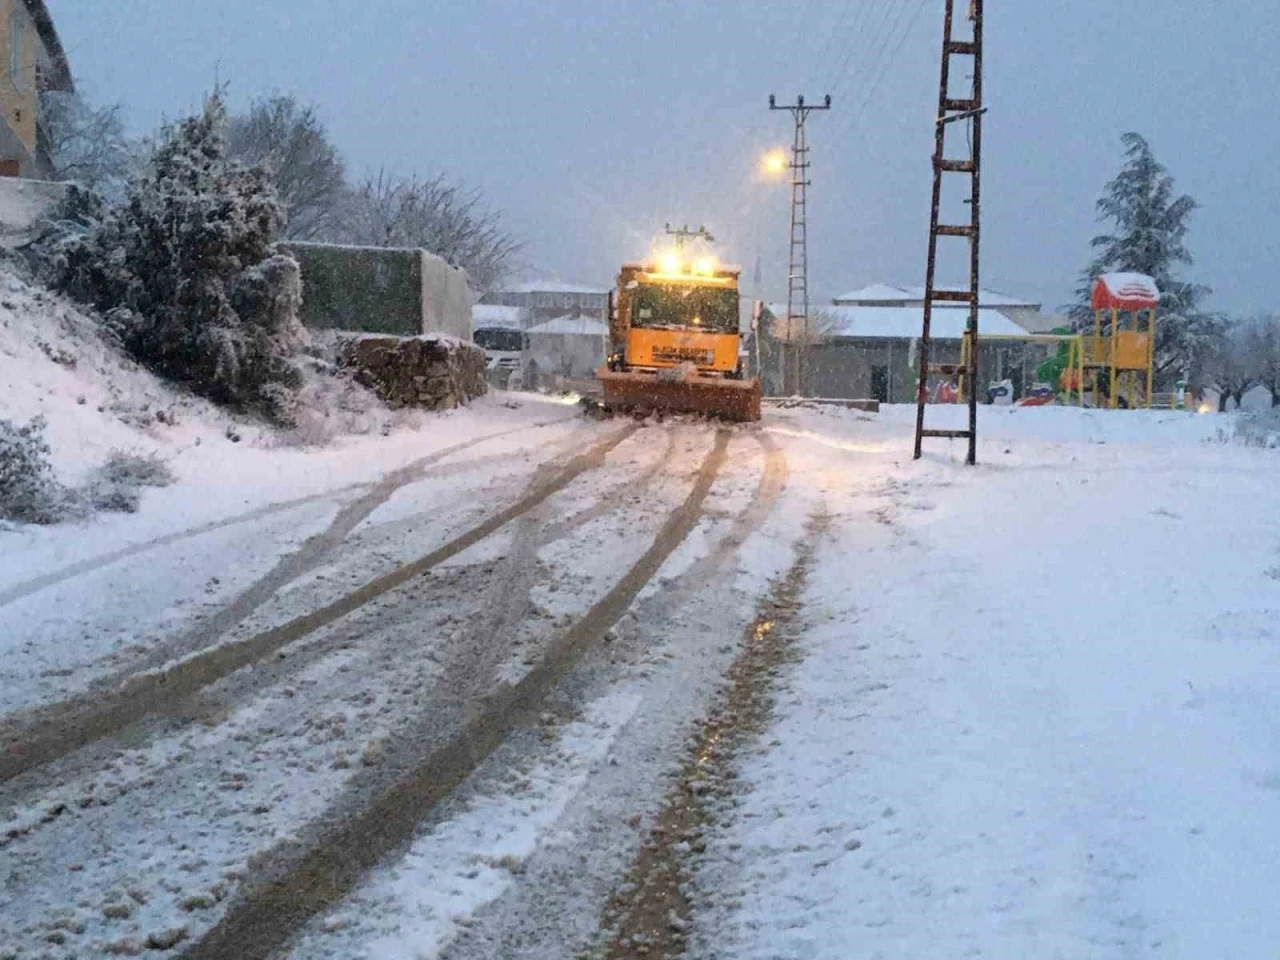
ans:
(952, 111)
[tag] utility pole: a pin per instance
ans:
(952, 113)
(798, 266)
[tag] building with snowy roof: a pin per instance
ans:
(544, 300)
(857, 351)
(1027, 314)
(569, 346)
(492, 316)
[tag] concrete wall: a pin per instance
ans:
(446, 298)
(403, 292)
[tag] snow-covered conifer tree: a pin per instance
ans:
(1149, 224)
(183, 270)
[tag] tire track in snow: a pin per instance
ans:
(301, 561)
(54, 577)
(507, 604)
(651, 912)
(27, 587)
(521, 926)
(300, 883)
(38, 737)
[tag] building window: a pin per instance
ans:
(17, 40)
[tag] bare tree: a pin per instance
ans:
(290, 140)
(445, 218)
(86, 144)
(1264, 343)
(1233, 365)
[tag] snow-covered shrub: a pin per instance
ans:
(331, 403)
(184, 274)
(70, 221)
(29, 492)
(1259, 429)
(136, 469)
(116, 486)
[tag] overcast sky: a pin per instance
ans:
(591, 122)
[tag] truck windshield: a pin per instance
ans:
(499, 340)
(686, 307)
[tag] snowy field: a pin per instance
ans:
(1037, 713)
(1031, 709)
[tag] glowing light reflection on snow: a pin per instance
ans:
(827, 441)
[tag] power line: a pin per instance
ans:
(883, 71)
(833, 33)
(887, 26)
(872, 27)
(883, 63)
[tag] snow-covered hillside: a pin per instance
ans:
(54, 363)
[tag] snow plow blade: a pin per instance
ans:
(724, 399)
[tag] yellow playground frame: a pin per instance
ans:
(1123, 349)
(1127, 353)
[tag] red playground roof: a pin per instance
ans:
(1125, 291)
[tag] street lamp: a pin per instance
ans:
(775, 162)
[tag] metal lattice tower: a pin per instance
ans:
(950, 112)
(798, 257)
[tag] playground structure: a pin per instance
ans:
(1120, 352)
(1123, 350)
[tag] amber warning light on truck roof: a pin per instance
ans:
(673, 263)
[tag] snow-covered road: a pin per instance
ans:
(438, 694)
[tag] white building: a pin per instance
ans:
(544, 300)
(1025, 313)
(568, 346)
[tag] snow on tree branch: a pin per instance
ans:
(309, 174)
(435, 214)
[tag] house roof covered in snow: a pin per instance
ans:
(571, 326)
(492, 315)
(904, 323)
(884, 293)
(876, 291)
(550, 286)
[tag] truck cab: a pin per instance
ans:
(503, 351)
(664, 317)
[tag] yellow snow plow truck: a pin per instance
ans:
(674, 340)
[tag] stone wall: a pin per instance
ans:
(430, 372)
